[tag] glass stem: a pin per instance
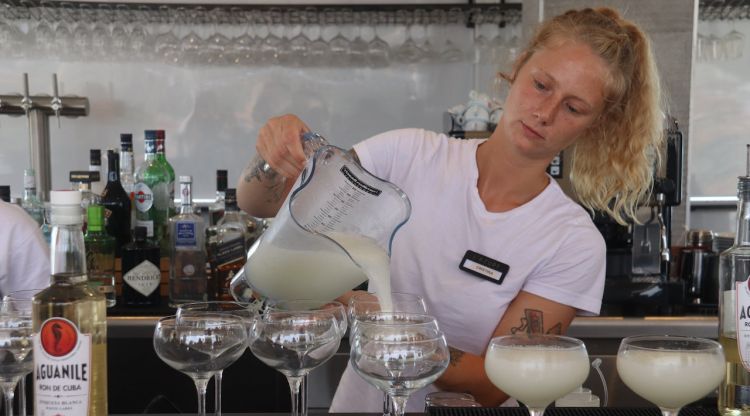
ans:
(200, 386)
(536, 412)
(386, 404)
(669, 412)
(8, 393)
(398, 405)
(303, 395)
(294, 383)
(217, 392)
(22, 396)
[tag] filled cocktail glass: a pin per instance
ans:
(536, 369)
(670, 371)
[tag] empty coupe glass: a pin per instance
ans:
(294, 343)
(244, 311)
(399, 359)
(16, 360)
(198, 346)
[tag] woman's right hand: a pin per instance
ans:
(280, 146)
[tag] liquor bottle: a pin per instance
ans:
(127, 166)
(152, 195)
(80, 181)
(734, 309)
(141, 276)
(161, 138)
(5, 193)
(70, 323)
(116, 204)
(216, 210)
(187, 267)
(47, 224)
(95, 165)
(229, 250)
(31, 202)
(100, 254)
(127, 171)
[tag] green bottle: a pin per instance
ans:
(161, 137)
(100, 254)
(151, 194)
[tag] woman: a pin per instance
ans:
(587, 81)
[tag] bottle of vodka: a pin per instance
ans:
(187, 267)
(734, 309)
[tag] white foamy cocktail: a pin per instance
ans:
(670, 378)
(536, 374)
(319, 272)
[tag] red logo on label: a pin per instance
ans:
(59, 337)
(141, 197)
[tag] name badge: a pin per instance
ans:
(484, 267)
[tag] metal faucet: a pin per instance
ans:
(26, 103)
(38, 109)
(56, 103)
(663, 238)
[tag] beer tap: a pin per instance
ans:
(56, 103)
(38, 108)
(26, 102)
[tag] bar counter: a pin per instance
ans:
(251, 386)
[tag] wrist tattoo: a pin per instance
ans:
(455, 355)
(533, 323)
(267, 177)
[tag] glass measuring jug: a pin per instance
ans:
(333, 232)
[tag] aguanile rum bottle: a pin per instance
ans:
(734, 309)
(70, 323)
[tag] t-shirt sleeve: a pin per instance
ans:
(30, 264)
(574, 276)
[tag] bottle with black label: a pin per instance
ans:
(228, 253)
(141, 276)
(116, 204)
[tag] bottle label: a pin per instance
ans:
(143, 278)
(62, 369)
(144, 197)
(29, 182)
(185, 237)
(149, 227)
(742, 313)
(230, 252)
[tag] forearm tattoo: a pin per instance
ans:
(266, 177)
(533, 323)
(455, 355)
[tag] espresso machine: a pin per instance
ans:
(638, 254)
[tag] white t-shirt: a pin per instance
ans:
(24, 256)
(550, 244)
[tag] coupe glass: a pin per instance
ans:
(536, 369)
(399, 359)
(335, 307)
(244, 311)
(670, 371)
(16, 360)
(199, 346)
(363, 304)
(294, 343)
(22, 299)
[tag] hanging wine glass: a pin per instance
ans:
(378, 50)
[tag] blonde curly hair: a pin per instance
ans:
(614, 160)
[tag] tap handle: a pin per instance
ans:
(26, 103)
(56, 103)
